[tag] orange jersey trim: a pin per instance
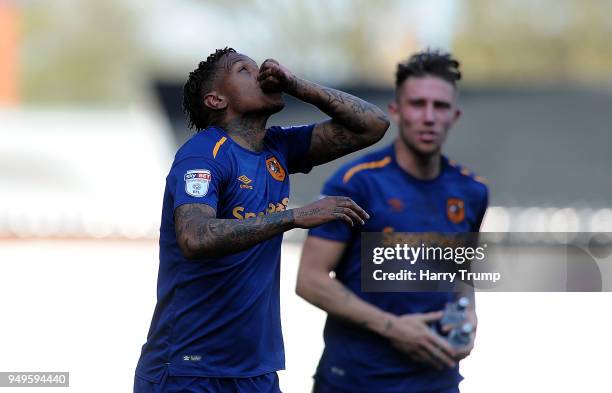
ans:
(218, 145)
(480, 179)
(366, 165)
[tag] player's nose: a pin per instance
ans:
(429, 115)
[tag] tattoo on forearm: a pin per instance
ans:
(207, 236)
(346, 109)
(330, 142)
(352, 126)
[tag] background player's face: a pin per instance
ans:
(238, 83)
(424, 110)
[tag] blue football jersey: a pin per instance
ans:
(220, 317)
(356, 360)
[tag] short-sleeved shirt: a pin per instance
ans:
(356, 360)
(220, 317)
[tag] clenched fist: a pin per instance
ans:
(274, 77)
(328, 209)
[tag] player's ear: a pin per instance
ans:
(457, 115)
(394, 111)
(214, 100)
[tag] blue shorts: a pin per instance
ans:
(267, 383)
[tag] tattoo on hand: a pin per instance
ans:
(388, 325)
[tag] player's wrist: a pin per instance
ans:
(294, 217)
(387, 328)
(294, 86)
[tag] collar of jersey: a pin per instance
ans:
(222, 132)
(443, 168)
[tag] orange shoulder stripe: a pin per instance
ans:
(218, 145)
(480, 179)
(466, 172)
(365, 165)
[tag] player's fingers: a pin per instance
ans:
(348, 202)
(263, 74)
(426, 357)
(269, 81)
(270, 61)
(355, 207)
(442, 345)
(439, 355)
(430, 316)
(352, 214)
(343, 217)
(268, 69)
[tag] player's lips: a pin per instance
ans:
(427, 136)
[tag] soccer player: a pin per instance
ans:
(380, 342)
(216, 326)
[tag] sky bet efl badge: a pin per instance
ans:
(196, 182)
(275, 169)
(455, 210)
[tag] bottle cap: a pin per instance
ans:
(463, 302)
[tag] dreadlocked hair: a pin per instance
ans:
(199, 83)
(429, 62)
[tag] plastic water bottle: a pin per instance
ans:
(461, 335)
(456, 312)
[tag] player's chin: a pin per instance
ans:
(275, 103)
(428, 149)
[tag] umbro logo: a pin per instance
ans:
(192, 358)
(245, 182)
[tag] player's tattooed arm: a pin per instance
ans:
(200, 234)
(354, 123)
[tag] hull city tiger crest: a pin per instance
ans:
(275, 169)
(455, 210)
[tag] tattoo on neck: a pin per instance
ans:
(248, 132)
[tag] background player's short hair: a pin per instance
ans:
(199, 83)
(431, 62)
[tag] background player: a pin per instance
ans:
(380, 342)
(216, 326)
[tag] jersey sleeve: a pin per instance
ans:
(197, 180)
(294, 142)
(339, 230)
